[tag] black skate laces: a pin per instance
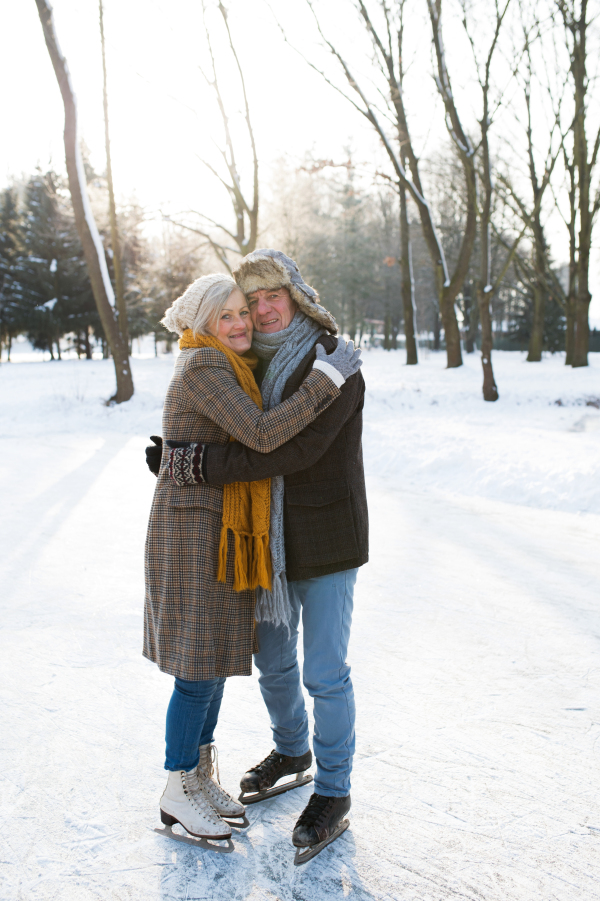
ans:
(314, 810)
(272, 759)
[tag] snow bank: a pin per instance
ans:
(426, 427)
(539, 445)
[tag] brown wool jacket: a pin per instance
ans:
(195, 627)
(326, 520)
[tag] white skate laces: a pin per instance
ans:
(221, 800)
(193, 791)
(209, 761)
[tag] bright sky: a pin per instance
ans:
(163, 116)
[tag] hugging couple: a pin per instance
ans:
(259, 518)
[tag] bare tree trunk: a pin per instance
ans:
(408, 282)
(577, 27)
(114, 230)
(578, 67)
(449, 291)
(583, 296)
(436, 330)
(570, 331)
(536, 338)
(387, 327)
(540, 250)
(395, 332)
(471, 337)
(485, 288)
(538, 271)
(571, 298)
(353, 320)
(389, 61)
(406, 267)
(582, 328)
(484, 292)
(451, 330)
(244, 234)
(84, 219)
(490, 391)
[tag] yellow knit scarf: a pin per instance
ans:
(246, 505)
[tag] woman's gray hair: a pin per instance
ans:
(200, 304)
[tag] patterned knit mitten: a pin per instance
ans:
(185, 464)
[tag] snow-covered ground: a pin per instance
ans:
(475, 649)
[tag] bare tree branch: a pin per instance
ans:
(219, 249)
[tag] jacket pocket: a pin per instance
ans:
(317, 494)
(208, 496)
(320, 523)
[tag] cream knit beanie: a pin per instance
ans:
(183, 311)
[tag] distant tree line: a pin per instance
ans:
(342, 227)
(527, 150)
(45, 291)
(452, 245)
(339, 223)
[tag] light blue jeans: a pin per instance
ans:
(326, 605)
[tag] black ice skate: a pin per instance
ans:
(319, 824)
(258, 783)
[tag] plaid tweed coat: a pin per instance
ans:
(195, 627)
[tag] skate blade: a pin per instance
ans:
(239, 823)
(204, 843)
(255, 797)
(304, 856)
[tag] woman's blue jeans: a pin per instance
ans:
(192, 715)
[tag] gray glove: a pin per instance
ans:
(345, 358)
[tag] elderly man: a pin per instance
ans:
(319, 539)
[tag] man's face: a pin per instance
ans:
(272, 310)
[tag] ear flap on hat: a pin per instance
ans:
(261, 271)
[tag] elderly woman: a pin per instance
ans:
(207, 548)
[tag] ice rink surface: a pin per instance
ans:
(475, 650)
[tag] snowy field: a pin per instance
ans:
(475, 649)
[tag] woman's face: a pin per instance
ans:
(234, 325)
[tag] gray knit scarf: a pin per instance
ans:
(286, 350)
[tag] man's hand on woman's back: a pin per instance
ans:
(154, 454)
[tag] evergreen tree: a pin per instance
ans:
(522, 321)
(11, 244)
(56, 293)
(133, 254)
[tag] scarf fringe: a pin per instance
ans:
(273, 606)
(252, 561)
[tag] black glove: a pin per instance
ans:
(154, 454)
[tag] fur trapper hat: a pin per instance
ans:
(271, 269)
(183, 311)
